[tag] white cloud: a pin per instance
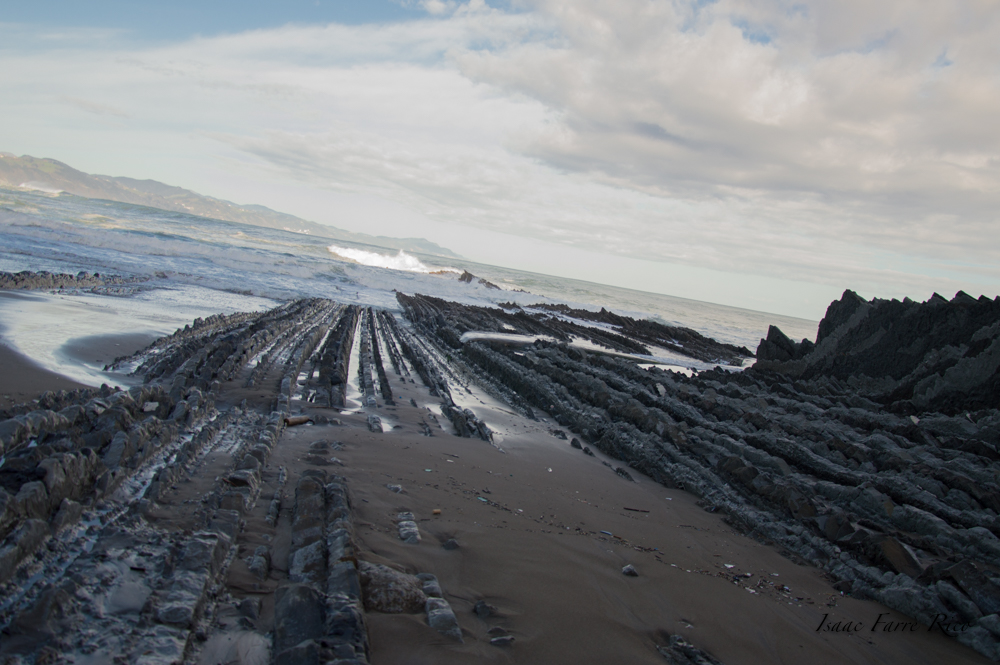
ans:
(846, 144)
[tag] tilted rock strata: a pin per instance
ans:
(42, 280)
(937, 356)
(886, 503)
(897, 508)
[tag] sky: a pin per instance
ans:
(763, 154)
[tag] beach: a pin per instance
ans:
(542, 533)
(22, 380)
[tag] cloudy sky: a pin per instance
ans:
(762, 154)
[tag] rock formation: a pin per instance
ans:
(871, 454)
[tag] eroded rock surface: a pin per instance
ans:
(870, 453)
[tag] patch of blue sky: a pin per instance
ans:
(879, 43)
(691, 21)
(943, 60)
(182, 19)
(752, 33)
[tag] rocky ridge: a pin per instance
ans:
(95, 560)
(896, 503)
(42, 280)
(937, 356)
(894, 506)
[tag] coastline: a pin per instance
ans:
(23, 380)
(544, 527)
(543, 534)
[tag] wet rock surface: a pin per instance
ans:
(42, 280)
(870, 453)
(122, 512)
(154, 524)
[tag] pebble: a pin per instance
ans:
(484, 610)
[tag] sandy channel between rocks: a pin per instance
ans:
(543, 533)
(533, 521)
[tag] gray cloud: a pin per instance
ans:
(95, 107)
(833, 143)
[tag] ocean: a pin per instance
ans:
(197, 266)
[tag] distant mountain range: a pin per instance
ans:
(53, 176)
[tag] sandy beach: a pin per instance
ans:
(22, 380)
(543, 533)
(536, 550)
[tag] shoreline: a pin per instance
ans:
(23, 380)
(543, 534)
(544, 527)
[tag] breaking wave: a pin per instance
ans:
(40, 187)
(401, 261)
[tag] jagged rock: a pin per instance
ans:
(431, 586)
(980, 588)
(441, 618)
(484, 610)
(25, 540)
(408, 530)
(69, 513)
(33, 500)
(679, 651)
(965, 607)
(899, 556)
(390, 591)
(308, 563)
(260, 562)
(298, 618)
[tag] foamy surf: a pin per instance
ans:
(40, 187)
(401, 261)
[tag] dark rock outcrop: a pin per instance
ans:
(910, 357)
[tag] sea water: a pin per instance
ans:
(197, 266)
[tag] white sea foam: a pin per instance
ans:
(178, 252)
(41, 187)
(401, 261)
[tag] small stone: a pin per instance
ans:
(484, 610)
(432, 588)
(630, 571)
(441, 618)
(250, 608)
(502, 641)
(450, 544)
(390, 591)
(497, 631)
(408, 532)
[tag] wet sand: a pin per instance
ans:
(100, 350)
(22, 380)
(530, 521)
